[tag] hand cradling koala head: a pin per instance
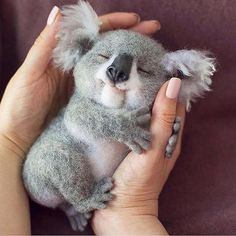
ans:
(117, 76)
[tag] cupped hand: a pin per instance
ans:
(139, 179)
(38, 90)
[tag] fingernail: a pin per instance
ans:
(173, 88)
(52, 16)
(137, 16)
(157, 23)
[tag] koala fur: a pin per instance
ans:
(117, 75)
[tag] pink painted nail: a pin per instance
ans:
(173, 88)
(157, 23)
(138, 18)
(52, 15)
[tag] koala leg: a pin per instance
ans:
(100, 196)
(173, 138)
(78, 186)
(98, 200)
(78, 221)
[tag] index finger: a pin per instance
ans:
(118, 20)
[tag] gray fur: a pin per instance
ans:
(198, 68)
(70, 164)
(83, 24)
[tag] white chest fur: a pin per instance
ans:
(112, 97)
(104, 155)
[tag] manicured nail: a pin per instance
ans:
(137, 17)
(52, 16)
(157, 23)
(173, 88)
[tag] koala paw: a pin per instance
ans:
(173, 138)
(101, 194)
(79, 221)
(137, 138)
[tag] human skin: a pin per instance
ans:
(139, 179)
(33, 96)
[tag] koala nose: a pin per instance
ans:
(116, 75)
(120, 69)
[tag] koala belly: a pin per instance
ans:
(105, 156)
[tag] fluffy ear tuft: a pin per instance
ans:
(78, 30)
(196, 69)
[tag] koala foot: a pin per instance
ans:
(78, 221)
(173, 138)
(100, 197)
(101, 193)
(140, 138)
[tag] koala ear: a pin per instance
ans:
(195, 68)
(78, 30)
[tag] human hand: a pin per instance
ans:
(139, 179)
(38, 90)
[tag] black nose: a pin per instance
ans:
(120, 69)
(116, 75)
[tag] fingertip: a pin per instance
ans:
(137, 17)
(155, 23)
(169, 92)
(147, 27)
(40, 53)
(119, 20)
(173, 88)
(53, 15)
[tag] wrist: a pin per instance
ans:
(107, 222)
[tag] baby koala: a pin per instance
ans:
(117, 76)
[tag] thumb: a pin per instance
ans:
(40, 53)
(164, 114)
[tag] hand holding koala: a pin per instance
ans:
(115, 74)
(32, 97)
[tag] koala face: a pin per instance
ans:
(122, 69)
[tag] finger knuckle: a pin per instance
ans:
(167, 118)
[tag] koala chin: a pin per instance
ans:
(117, 75)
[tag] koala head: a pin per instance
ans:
(121, 68)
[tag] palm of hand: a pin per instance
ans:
(39, 97)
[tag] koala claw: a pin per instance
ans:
(101, 194)
(104, 185)
(145, 144)
(142, 115)
(144, 119)
(140, 111)
(173, 138)
(134, 147)
(138, 138)
(140, 142)
(79, 221)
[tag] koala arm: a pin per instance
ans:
(106, 123)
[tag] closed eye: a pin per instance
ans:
(144, 71)
(103, 56)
